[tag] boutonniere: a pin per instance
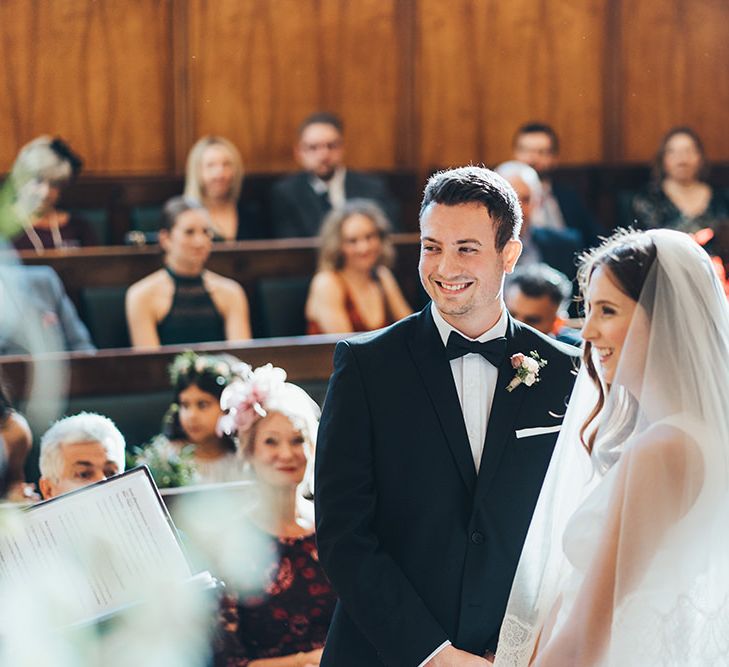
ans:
(527, 369)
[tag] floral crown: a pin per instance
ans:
(245, 397)
(189, 365)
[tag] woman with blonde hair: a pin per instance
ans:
(214, 177)
(354, 289)
(30, 196)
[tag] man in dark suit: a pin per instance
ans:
(561, 207)
(299, 202)
(428, 467)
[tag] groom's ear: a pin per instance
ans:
(510, 254)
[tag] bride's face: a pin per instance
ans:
(609, 313)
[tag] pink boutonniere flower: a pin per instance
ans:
(527, 369)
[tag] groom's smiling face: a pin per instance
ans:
(460, 267)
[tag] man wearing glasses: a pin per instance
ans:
(300, 201)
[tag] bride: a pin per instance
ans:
(627, 557)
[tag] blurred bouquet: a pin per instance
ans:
(12, 216)
(171, 466)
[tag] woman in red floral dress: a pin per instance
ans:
(280, 614)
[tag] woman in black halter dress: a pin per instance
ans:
(183, 302)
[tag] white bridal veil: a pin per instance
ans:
(627, 557)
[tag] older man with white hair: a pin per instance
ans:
(556, 247)
(77, 451)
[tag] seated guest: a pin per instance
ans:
(281, 615)
(183, 302)
(17, 439)
(38, 316)
(560, 208)
(679, 196)
(300, 202)
(191, 423)
(556, 247)
(354, 290)
(30, 195)
(77, 451)
(214, 178)
(538, 295)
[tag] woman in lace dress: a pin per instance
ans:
(679, 196)
(279, 613)
(627, 558)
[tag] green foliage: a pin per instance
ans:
(170, 465)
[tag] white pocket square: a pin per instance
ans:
(537, 430)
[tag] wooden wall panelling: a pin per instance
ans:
(612, 122)
(132, 83)
(258, 68)
(676, 54)
(181, 117)
(96, 73)
(486, 66)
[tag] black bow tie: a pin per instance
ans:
(493, 350)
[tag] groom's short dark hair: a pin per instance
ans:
(477, 185)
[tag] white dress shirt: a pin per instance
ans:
(475, 380)
(334, 187)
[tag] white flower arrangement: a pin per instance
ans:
(244, 398)
(527, 369)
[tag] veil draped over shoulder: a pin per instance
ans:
(626, 561)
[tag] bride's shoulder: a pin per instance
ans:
(668, 442)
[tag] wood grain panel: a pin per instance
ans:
(244, 261)
(676, 54)
(486, 66)
(259, 67)
(131, 83)
(110, 372)
(96, 73)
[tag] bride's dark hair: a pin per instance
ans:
(628, 255)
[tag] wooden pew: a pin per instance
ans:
(113, 372)
(599, 184)
(245, 261)
(133, 387)
(119, 196)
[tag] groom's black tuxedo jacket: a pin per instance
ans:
(419, 547)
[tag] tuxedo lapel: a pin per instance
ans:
(428, 353)
(504, 411)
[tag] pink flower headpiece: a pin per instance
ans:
(245, 397)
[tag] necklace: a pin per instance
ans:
(55, 234)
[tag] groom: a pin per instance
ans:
(427, 468)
